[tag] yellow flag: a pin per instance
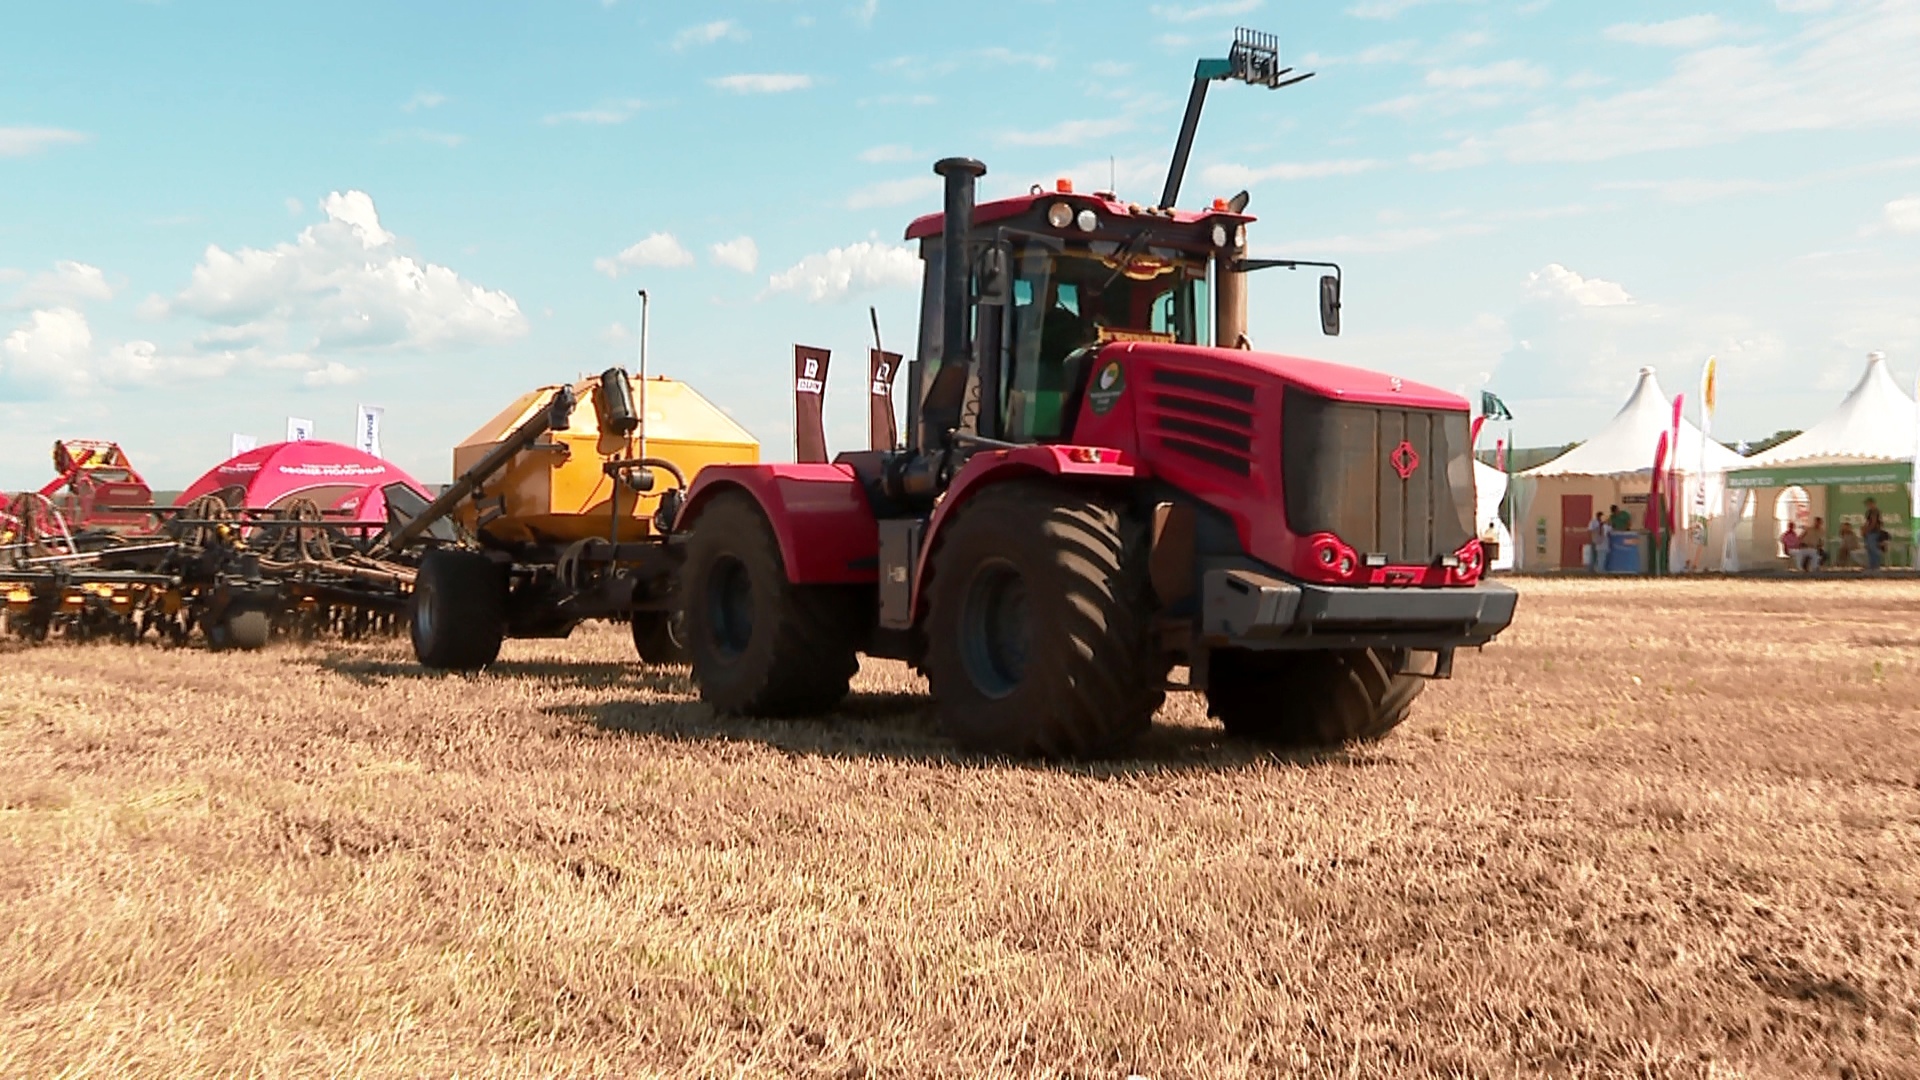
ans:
(1709, 385)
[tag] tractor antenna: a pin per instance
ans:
(1254, 59)
(643, 375)
(1113, 175)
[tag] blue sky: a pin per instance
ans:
(216, 215)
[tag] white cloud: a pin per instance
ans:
(1674, 33)
(616, 334)
(1194, 12)
(333, 373)
(709, 33)
(611, 112)
(1240, 176)
(836, 274)
(892, 152)
(1803, 7)
(1068, 132)
(439, 138)
(762, 84)
(1848, 72)
(1384, 9)
(52, 350)
(1554, 281)
(295, 206)
(1468, 152)
(1000, 54)
(68, 284)
(1903, 215)
(893, 192)
(658, 249)
(740, 253)
(425, 99)
(343, 283)
(864, 11)
(1503, 73)
(22, 141)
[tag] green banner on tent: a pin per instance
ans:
(1868, 472)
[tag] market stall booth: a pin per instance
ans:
(1860, 454)
(1554, 502)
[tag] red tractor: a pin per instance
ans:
(1099, 487)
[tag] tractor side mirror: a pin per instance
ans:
(996, 283)
(1330, 305)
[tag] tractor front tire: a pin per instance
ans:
(1037, 625)
(759, 644)
(660, 637)
(459, 610)
(1310, 699)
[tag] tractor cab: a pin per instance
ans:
(1071, 272)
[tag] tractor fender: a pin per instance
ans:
(819, 514)
(1098, 466)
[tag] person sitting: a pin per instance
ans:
(1790, 543)
(1813, 547)
(1874, 536)
(1849, 554)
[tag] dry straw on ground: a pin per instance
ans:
(1658, 830)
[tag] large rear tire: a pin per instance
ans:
(1321, 698)
(459, 610)
(1037, 625)
(759, 644)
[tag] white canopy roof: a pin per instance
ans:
(1627, 444)
(1876, 422)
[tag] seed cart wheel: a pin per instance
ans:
(760, 645)
(660, 637)
(1037, 625)
(459, 610)
(1319, 698)
(246, 629)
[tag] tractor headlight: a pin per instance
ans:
(1088, 220)
(1219, 235)
(1059, 215)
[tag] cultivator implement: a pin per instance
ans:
(235, 574)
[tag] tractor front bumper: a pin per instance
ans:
(1247, 608)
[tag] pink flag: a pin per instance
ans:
(1473, 437)
(1653, 496)
(1500, 454)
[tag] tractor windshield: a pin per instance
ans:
(1066, 301)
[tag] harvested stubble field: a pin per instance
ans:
(1657, 830)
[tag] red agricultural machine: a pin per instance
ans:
(1092, 494)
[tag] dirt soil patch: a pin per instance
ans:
(1659, 829)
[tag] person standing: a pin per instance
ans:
(1874, 536)
(1619, 520)
(1597, 543)
(1813, 547)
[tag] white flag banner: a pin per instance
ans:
(366, 429)
(299, 430)
(242, 444)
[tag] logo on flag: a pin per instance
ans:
(299, 430)
(366, 429)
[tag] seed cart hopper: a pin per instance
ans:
(567, 495)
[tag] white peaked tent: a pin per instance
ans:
(1626, 445)
(1875, 422)
(1614, 467)
(1489, 488)
(1862, 449)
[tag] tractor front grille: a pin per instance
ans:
(1203, 417)
(1343, 465)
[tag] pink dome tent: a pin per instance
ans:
(334, 476)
